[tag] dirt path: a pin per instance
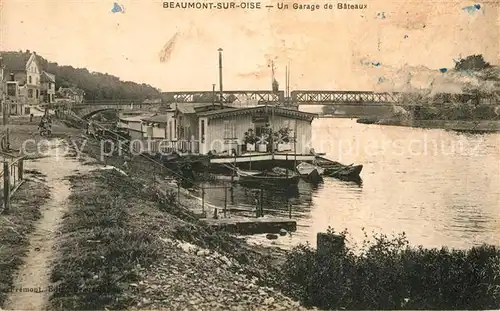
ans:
(32, 284)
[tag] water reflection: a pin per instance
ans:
(439, 187)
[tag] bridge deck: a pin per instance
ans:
(300, 97)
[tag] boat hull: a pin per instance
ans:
(348, 172)
(272, 181)
(306, 169)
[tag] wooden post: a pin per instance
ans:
(178, 193)
(261, 214)
(8, 138)
(234, 170)
(225, 201)
(13, 171)
(21, 169)
(203, 199)
(6, 186)
(289, 210)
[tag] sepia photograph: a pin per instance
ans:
(249, 155)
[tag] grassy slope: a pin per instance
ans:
(15, 226)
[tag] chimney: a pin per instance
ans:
(12, 77)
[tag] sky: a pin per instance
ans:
(326, 49)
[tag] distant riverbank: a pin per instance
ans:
(479, 126)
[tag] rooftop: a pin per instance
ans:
(48, 77)
(188, 108)
(136, 118)
(160, 118)
(268, 110)
(15, 61)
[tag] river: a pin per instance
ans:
(441, 188)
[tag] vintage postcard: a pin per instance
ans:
(249, 154)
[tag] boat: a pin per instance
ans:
(339, 170)
(305, 169)
(349, 171)
(310, 172)
(276, 177)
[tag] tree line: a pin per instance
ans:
(96, 85)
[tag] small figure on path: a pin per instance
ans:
(31, 117)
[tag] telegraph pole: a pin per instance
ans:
(213, 96)
(220, 76)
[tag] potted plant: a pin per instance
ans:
(265, 139)
(283, 139)
(250, 140)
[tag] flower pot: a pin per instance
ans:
(284, 147)
(250, 147)
(262, 148)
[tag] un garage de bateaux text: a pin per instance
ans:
(256, 5)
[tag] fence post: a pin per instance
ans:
(225, 201)
(13, 171)
(8, 138)
(289, 210)
(6, 186)
(21, 169)
(179, 193)
(203, 199)
(261, 214)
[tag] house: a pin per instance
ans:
(70, 94)
(48, 87)
(23, 78)
(131, 123)
(204, 128)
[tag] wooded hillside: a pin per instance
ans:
(97, 86)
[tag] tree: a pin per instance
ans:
(276, 86)
(471, 62)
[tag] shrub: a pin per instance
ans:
(388, 274)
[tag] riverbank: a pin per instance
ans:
(466, 126)
(15, 227)
(140, 250)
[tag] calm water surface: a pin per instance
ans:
(439, 187)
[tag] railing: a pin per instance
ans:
(13, 177)
(184, 146)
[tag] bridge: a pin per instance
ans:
(297, 98)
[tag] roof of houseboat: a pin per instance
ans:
(278, 111)
(138, 118)
(160, 118)
(187, 108)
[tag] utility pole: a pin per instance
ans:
(2, 93)
(220, 77)
(213, 96)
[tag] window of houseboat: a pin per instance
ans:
(202, 131)
(229, 130)
(170, 130)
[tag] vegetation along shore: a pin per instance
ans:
(123, 244)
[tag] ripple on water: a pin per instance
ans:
(437, 198)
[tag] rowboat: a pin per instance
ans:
(349, 171)
(310, 172)
(305, 169)
(276, 177)
(339, 170)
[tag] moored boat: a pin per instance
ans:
(276, 177)
(305, 169)
(349, 171)
(339, 170)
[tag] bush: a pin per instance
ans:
(389, 274)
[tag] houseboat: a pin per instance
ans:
(237, 135)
